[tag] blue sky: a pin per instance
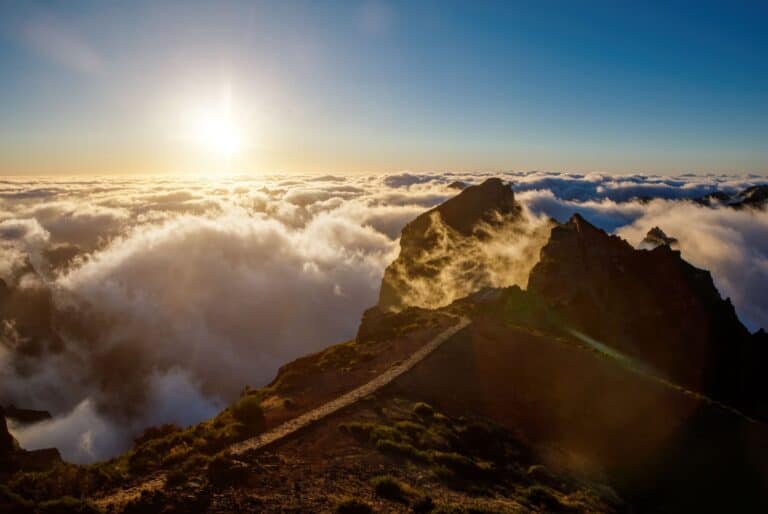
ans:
(360, 86)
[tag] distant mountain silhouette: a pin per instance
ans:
(751, 197)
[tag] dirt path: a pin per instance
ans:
(289, 427)
(123, 496)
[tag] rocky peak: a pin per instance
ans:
(656, 237)
(752, 197)
(651, 305)
(755, 196)
(475, 204)
(441, 258)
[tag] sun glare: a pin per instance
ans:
(216, 129)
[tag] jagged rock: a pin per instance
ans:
(443, 255)
(26, 415)
(13, 458)
(38, 460)
(7, 442)
(755, 196)
(718, 197)
(650, 305)
(656, 237)
(752, 197)
(458, 185)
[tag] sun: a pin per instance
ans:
(215, 128)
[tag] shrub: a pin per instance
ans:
(423, 410)
(248, 411)
(401, 450)
(391, 488)
(175, 478)
(357, 429)
(409, 427)
(379, 432)
(424, 504)
(13, 502)
(456, 462)
(223, 471)
(155, 433)
(353, 506)
(543, 497)
(195, 462)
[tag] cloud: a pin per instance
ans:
(621, 188)
(190, 290)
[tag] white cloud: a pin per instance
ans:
(203, 287)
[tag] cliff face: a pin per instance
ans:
(479, 238)
(651, 305)
(7, 443)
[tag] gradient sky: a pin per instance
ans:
(358, 86)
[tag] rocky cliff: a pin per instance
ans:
(649, 304)
(481, 237)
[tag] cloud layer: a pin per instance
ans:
(190, 289)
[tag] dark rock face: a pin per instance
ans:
(27, 416)
(13, 458)
(650, 305)
(440, 256)
(458, 185)
(482, 203)
(755, 197)
(7, 443)
(656, 237)
(8, 447)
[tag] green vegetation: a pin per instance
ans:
(248, 411)
(224, 471)
(391, 488)
(542, 497)
(475, 456)
(453, 449)
(423, 410)
(344, 356)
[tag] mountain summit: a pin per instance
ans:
(461, 246)
(648, 304)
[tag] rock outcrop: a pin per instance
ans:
(13, 458)
(755, 197)
(7, 443)
(462, 246)
(656, 237)
(650, 305)
(26, 416)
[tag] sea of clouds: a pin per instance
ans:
(200, 287)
